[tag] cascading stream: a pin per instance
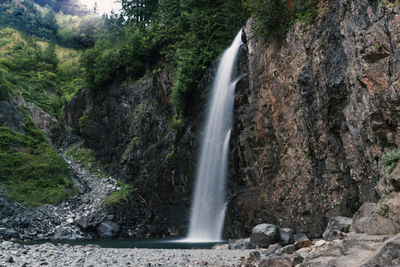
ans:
(208, 208)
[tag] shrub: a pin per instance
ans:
(390, 160)
(119, 196)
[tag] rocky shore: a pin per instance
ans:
(12, 254)
(62, 221)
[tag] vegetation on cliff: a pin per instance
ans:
(31, 171)
(275, 16)
(43, 73)
(49, 22)
(188, 35)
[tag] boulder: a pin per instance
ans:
(10, 233)
(286, 236)
(394, 178)
(64, 233)
(239, 243)
(379, 219)
(264, 235)
(388, 255)
(108, 229)
(335, 226)
(303, 242)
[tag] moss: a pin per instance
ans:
(171, 153)
(122, 195)
(31, 171)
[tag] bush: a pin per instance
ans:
(122, 195)
(390, 160)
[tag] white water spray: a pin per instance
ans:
(209, 204)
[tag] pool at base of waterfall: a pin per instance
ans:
(133, 243)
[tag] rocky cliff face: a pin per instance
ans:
(322, 107)
(129, 126)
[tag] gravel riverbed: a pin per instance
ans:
(13, 254)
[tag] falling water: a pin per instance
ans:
(208, 208)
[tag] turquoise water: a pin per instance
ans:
(133, 243)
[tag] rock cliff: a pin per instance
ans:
(131, 129)
(315, 112)
(322, 107)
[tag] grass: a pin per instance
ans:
(31, 171)
(390, 160)
(122, 195)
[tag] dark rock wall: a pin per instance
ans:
(321, 108)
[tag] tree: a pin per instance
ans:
(139, 10)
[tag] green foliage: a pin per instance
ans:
(31, 171)
(273, 17)
(390, 160)
(41, 72)
(121, 195)
(45, 23)
(384, 210)
(84, 119)
(84, 156)
(188, 34)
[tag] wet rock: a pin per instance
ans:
(64, 233)
(108, 229)
(10, 233)
(337, 225)
(264, 235)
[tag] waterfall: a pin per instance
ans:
(209, 204)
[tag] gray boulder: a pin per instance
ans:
(10, 233)
(239, 243)
(336, 226)
(264, 235)
(108, 229)
(64, 233)
(286, 236)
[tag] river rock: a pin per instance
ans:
(264, 235)
(108, 229)
(63, 233)
(335, 226)
(10, 233)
